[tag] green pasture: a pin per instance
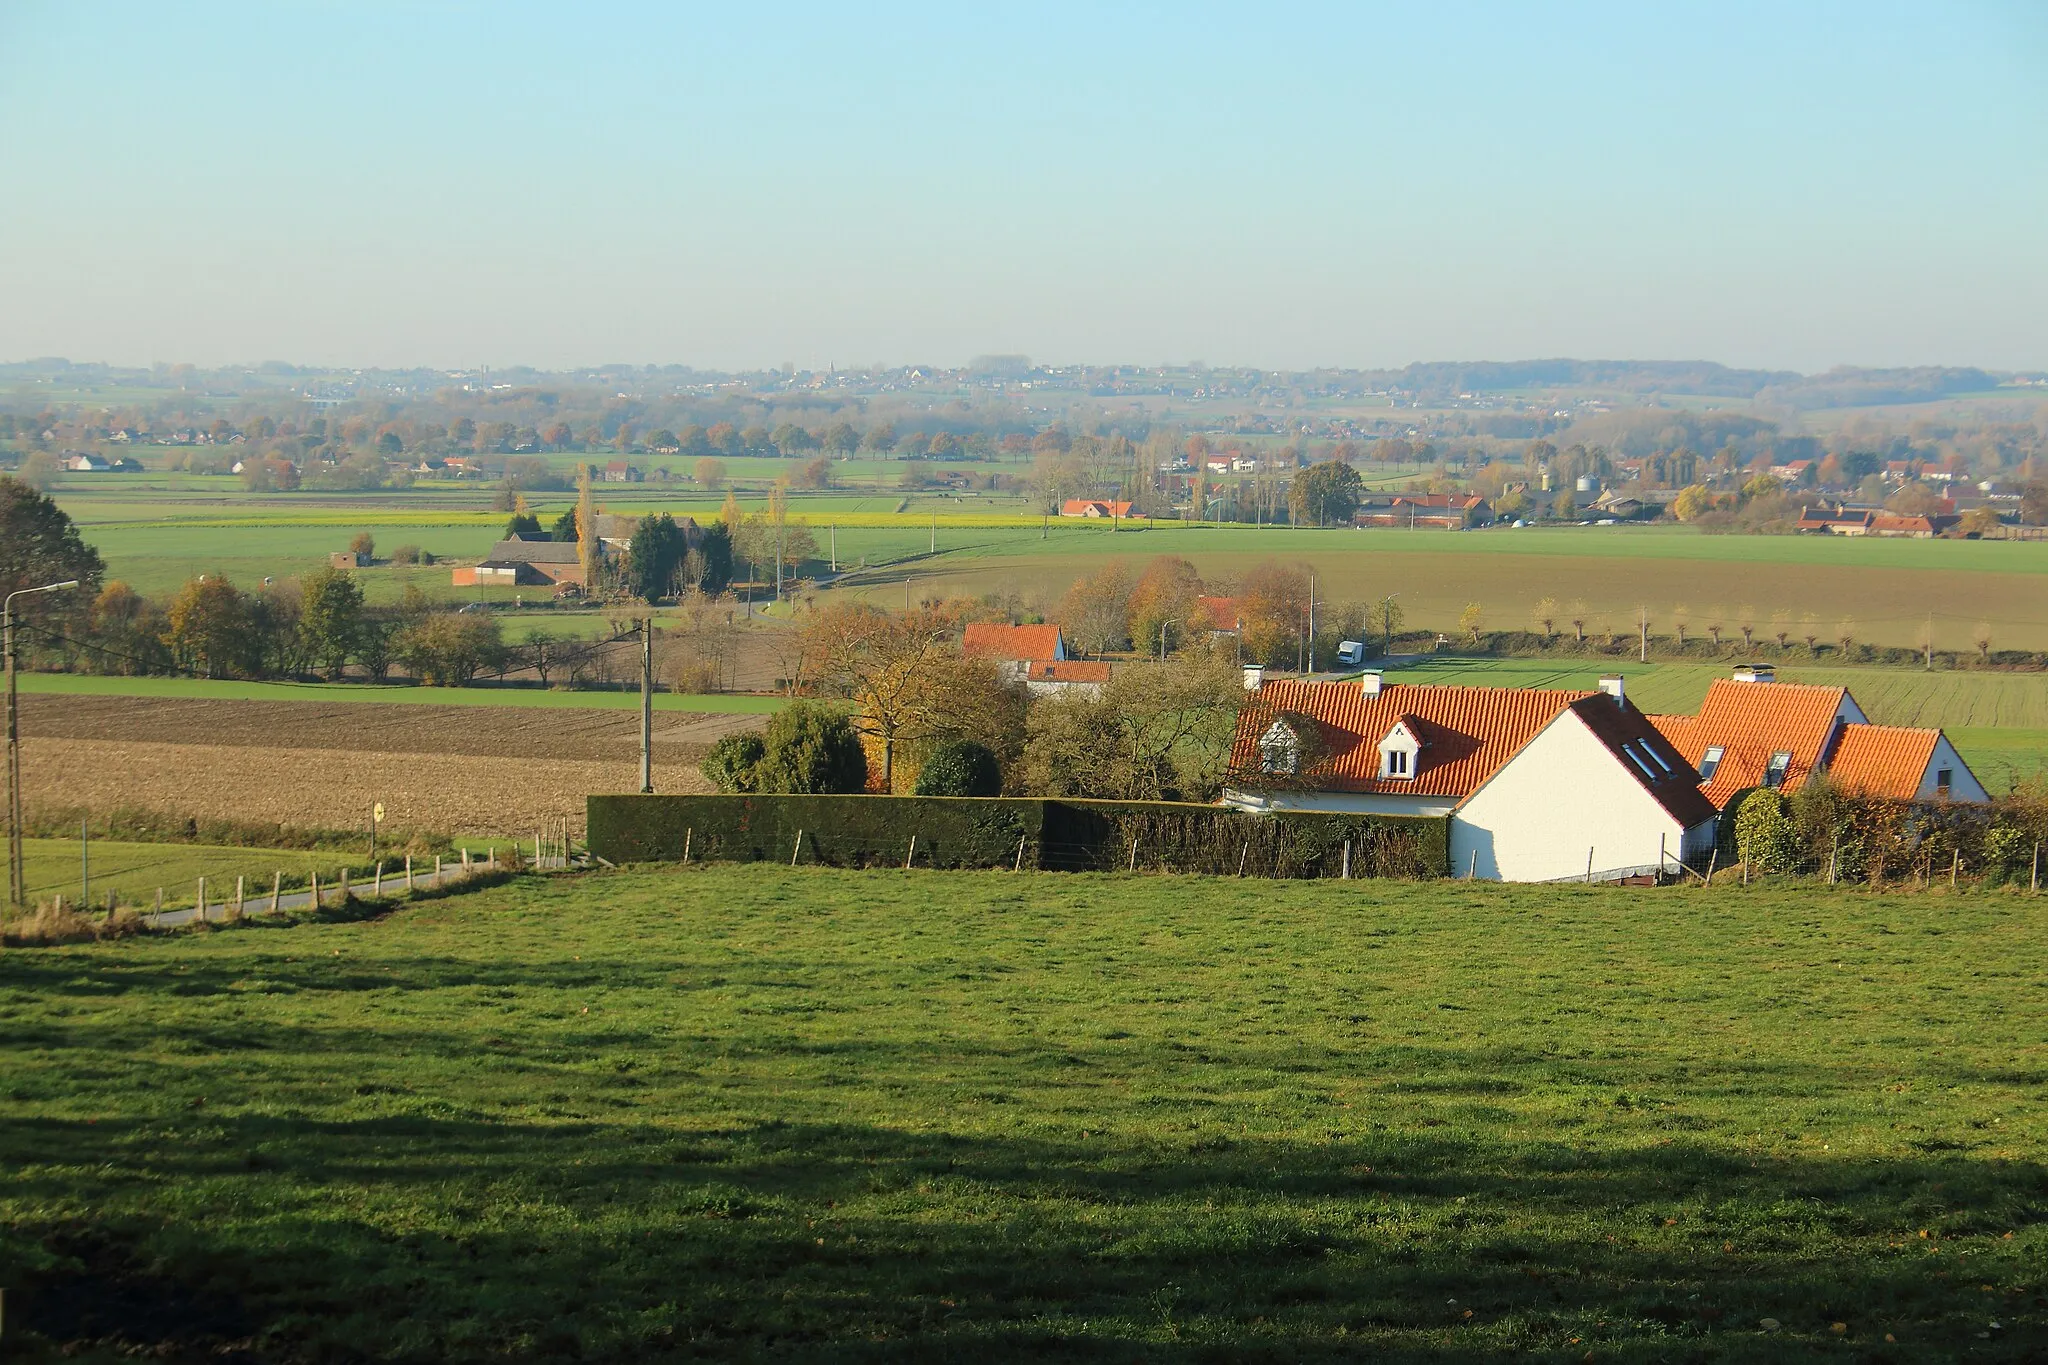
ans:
(93, 685)
(759, 1112)
(134, 871)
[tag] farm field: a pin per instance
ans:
(1885, 589)
(226, 689)
(754, 1111)
(134, 871)
(458, 770)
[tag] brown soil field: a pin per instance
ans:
(472, 771)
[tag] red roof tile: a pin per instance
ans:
(1011, 642)
(1882, 760)
(1751, 721)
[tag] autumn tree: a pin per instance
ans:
(330, 618)
(1325, 494)
(710, 472)
(1272, 608)
(1095, 613)
(1166, 605)
(208, 628)
(1156, 732)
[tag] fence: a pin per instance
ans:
(1013, 832)
(1837, 837)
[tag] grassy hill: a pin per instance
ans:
(759, 1112)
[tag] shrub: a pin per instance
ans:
(1764, 834)
(961, 768)
(811, 749)
(410, 554)
(2005, 848)
(733, 761)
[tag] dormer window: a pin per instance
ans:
(1712, 760)
(1781, 763)
(1399, 753)
(1280, 749)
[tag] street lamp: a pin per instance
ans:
(1387, 622)
(17, 886)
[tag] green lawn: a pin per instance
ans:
(134, 871)
(78, 684)
(756, 1112)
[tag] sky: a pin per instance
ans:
(1785, 185)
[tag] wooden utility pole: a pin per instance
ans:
(647, 707)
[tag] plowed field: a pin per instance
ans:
(457, 770)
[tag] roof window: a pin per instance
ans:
(1711, 761)
(1279, 749)
(1781, 763)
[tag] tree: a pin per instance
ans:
(448, 648)
(523, 524)
(1095, 614)
(815, 473)
(1156, 732)
(734, 761)
(713, 557)
(1470, 618)
(130, 628)
(1546, 616)
(960, 767)
(810, 748)
(542, 652)
(330, 618)
(564, 528)
(655, 556)
(1979, 521)
(710, 472)
(1272, 608)
(1692, 501)
(1325, 494)
(39, 545)
(209, 628)
(38, 471)
(1165, 604)
(365, 545)
(2034, 504)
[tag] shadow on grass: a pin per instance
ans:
(418, 1237)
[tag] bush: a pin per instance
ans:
(2006, 848)
(961, 768)
(733, 761)
(411, 554)
(811, 749)
(1764, 834)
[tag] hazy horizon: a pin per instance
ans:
(454, 186)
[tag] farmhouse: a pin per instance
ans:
(1753, 731)
(1538, 785)
(618, 471)
(1061, 677)
(347, 559)
(520, 561)
(1437, 511)
(1103, 508)
(1014, 647)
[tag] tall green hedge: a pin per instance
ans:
(868, 831)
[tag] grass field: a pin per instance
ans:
(758, 1112)
(1887, 589)
(79, 684)
(133, 872)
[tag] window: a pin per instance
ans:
(1641, 764)
(1279, 749)
(1781, 763)
(1397, 763)
(1711, 761)
(1942, 777)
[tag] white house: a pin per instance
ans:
(1539, 785)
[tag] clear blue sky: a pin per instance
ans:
(1781, 184)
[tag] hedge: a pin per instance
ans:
(985, 832)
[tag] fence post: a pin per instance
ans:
(276, 888)
(1712, 859)
(238, 897)
(1242, 855)
(1134, 854)
(2034, 881)
(536, 850)
(1346, 876)
(1472, 867)
(344, 886)
(1955, 865)
(1589, 867)
(377, 879)
(408, 874)
(1661, 846)
(159, 901)
(202, 900)
(314, 893)
(909, 857)
(1834, 854)
(687, 832)
(798, 849)
(1020, 854)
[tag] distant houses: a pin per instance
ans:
(1424, 511)
(1099, 509)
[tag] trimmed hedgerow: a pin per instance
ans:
(865, 831)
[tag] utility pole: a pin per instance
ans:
(1930, 642)
(17, 885)
(647, 707)
(833, 531)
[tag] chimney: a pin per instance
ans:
(1370, 682)
(1254, 677)
(1756, 673)
(1613, 686)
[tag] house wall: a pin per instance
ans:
(1963, 785)
(1341, 803)
(1565, 793)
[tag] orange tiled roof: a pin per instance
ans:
(1066, 671)
(1011, 642)
(1223, 612)
(1467, 734)
(1883, 760)
(1750, 721)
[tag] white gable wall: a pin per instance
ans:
(1565, 794)
(1963, 784)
